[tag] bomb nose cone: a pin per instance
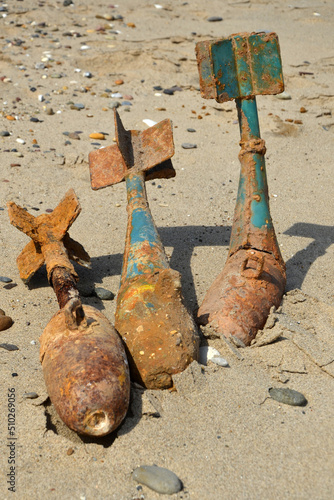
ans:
(99, 423)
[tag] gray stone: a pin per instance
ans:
(9, 347)
(214, 19)
(288, 396)
(158, 479)
(189, 145)
(30, 395)
(104, 294)
(4, 279)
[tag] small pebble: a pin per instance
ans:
(5, 323)
(4, 133)
(149, 122)
(66, 3)
(214, 19)
(119, 82)
(158, 479)
(77, 106)
(97, 135)
(104, 294)
(4, 279)
(70, 451)
(20, 141)
(49, 111)
(88, 74)
(158, 88)
(191, 130)
(208, 353)
(188, 145)
(9, 347)
(288, 396)
(115, 104)
(284, 96)
(117, 95)
(34, 119)
(10, 286)
(73, 135)
(126, 103)
(30, 395)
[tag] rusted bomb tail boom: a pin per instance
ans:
(84, 363)
(253, 279)
(159, 333)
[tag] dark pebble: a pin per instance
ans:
(33, 89)
(126, 103)
(67, 143)
(158, 479)
(15, 374)
(9, 347)
(104, 294)
(10, 286)
(169, 91)
(4, 133)
(4, 279)
(66, 3)
(188, 145)
(288, 396)
(157, 87)
(191, 130)
(33, 119)
(214, 19)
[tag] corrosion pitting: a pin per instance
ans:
(149, 303)
(253, 278)
(84, 363)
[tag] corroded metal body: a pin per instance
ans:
(253, 279)
(159, 333)
(84, 363)
(85, 369)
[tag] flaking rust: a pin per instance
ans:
(84, 363)
(160, 335)
(253, 278)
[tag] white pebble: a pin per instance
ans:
(149, 122)
(84, 47)
(285, 96)
(41, 98)
(157, 6)
(20, 141)
(208, 353)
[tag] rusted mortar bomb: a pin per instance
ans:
(253, 279)
(84, 363)
(160, 334)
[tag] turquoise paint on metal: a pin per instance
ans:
(247, 110)
(223, 65)
(241, 65)
(145, 250)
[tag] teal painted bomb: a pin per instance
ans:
(253, 278)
